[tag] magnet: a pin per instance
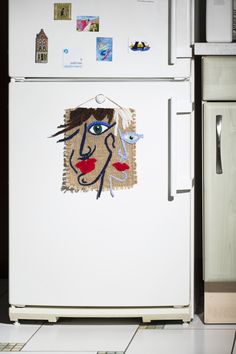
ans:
(62, 11)
(139, 46)
(100, 98)
(104, 48)
(41, 47)
(87, 23)
(72, 58)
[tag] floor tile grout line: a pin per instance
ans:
(4, 347)
(219, 327)
(131, 339)
(62, 351)
(32, 336)
(15, 346)
(232, 351)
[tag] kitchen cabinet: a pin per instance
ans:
(219, 188)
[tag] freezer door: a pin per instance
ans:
(220, 191)
(146, 38)
(71, 249)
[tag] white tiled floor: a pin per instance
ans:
(182, 342)
(9, 333)
(82, 337)
(115, 336)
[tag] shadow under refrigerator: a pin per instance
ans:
(101, 159)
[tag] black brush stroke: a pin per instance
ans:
(86, 155)
(69, 137)
(71, 156)
(107, 162)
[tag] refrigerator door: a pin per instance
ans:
(70, 249)
(220, 191)
(160, 28)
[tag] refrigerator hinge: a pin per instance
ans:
(18, 79)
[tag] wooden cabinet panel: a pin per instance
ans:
(219, 191)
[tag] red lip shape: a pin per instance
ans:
(120, 166)
(86, 166)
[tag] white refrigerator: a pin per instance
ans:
(101, 159)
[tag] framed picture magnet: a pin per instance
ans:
(62, 11)
(87, 23)
(104, 49)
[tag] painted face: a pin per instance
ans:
(99, 152)
(91, 151)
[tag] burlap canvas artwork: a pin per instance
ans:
(99, 149)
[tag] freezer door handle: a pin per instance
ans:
(172, 37)
(173, 145)
(219, 170)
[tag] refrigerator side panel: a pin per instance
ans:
(132, 249)
(134, 39)
(219, 191)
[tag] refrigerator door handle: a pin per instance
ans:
(172, 32)
(173, 145)
(218, 144)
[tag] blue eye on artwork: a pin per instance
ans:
(97, 127)
(131, 138)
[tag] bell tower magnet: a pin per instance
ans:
(41, 47)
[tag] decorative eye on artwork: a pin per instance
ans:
(98, 128)
(131, 138)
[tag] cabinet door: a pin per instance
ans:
(220, 191)
(219, 78)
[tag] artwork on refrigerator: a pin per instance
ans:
(87, 23)
(139, 46)
(99, 150)
(104, 49)
(62, 11)
(41, 47)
